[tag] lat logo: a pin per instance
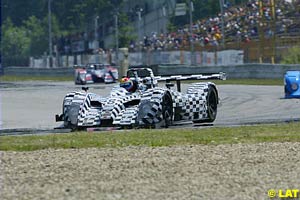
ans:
(288, 193)
(294, 193)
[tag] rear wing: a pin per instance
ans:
(179, 78)
(79, 66)
(220, 76)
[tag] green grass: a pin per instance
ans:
(218, 82)
(249, 82)
(35, 78)
(154, 138)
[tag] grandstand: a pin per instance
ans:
(263, 29)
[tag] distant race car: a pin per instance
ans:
(148, 106)
(292, 84)
(95, 73)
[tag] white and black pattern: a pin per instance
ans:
(71, 99)
(199, 87)
(178, 99)
(220, 76)
(88, 115)
(127, 117)
(195, 106)
(146, 106)
(192, 104)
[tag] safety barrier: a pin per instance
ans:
(263, 71)
(30, 71)
(259, 71)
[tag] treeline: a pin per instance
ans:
(25, 23)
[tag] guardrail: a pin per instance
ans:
(263, 71)
(29, 71)
(260, 71)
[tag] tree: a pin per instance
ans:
(205, 8)
(15, 41)
(292, 56)
(20, 10)
(75, 16)
(202, 9)
(36, 31)
(126, 31)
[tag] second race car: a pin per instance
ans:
(95, 73)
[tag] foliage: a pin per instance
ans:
(27, 22)
(205, 8)
(69, 17)
(202, 8)
(37, 33)
(15, 40)
(126, 31)
(292, 56)
(29, 39)
(171, 27)
(20, 10)
(77, 15)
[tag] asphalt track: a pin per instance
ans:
(32, 105)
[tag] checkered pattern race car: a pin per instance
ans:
(149, 106)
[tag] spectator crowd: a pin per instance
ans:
(242, 23)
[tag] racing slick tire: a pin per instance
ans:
(70, 116)
(212, 105)
(167, 112)
(78, 81)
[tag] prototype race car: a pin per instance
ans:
(95, 73)
(292, 84)
(148, 106)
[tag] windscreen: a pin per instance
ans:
(140, 72)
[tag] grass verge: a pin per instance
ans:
(249, 82)
(218, 82)
(154, 138)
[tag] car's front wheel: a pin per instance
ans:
(167, 111)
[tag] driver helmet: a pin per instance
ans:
(127, 83)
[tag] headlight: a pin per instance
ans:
(294, 86)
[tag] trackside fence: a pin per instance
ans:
(263, 71)
(203, 58)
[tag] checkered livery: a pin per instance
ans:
(192, 105)
(71, 106)
(154, 98)
(127, 117)
(144, 107)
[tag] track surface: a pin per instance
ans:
(230, 171)
(33, 105)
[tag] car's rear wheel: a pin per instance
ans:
(212, 106)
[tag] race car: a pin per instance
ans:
(148, 106)
(291, 84)
(95, 73)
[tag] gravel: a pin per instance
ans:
(238, 171)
